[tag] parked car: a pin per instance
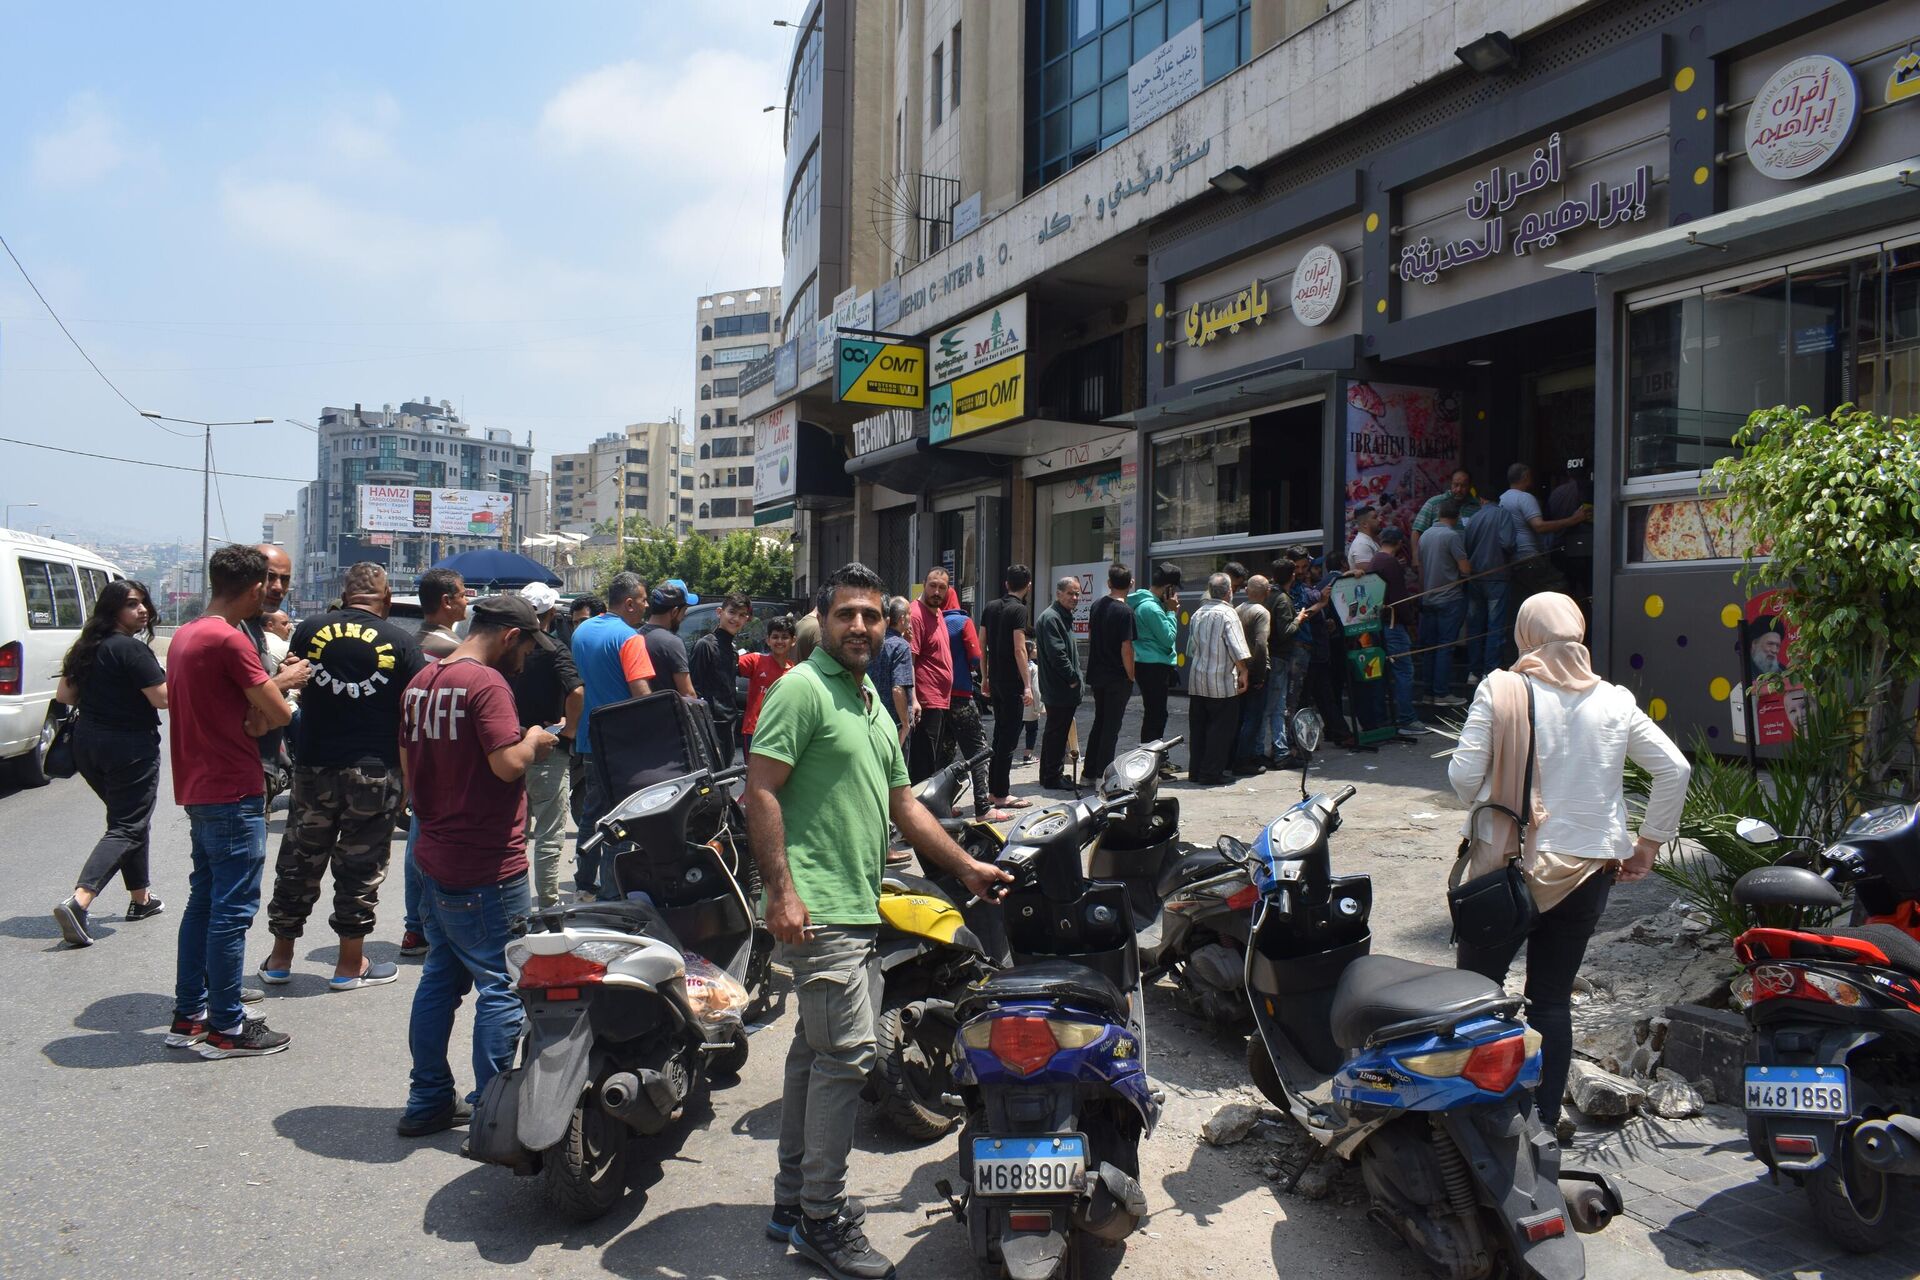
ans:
(702, 618)
(47, 588)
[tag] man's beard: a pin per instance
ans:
(857, 665)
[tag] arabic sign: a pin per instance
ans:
(773, 455)
(479, 513)
(881, 373)
(984, 398)
(886, 305)
(1206, 321)
(1802, 117)
(884, 430)
(1165, 78)
(1402, 446)
(966, 216)
(1317, 283)
(980, 340)
(817, 343)
(1603, 205)
(1903, 81)
(786, 370)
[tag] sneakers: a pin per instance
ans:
(1413, 730)
(185, 1033)
(1447, 700)
(253, 1040)
(413, 943)
(251, 995)
(840, 1246)
(146, 910)
(1026, 757)
(372, 975)
(72, 919)
(451, 1116)
(786, 1217)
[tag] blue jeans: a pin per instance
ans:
(1247, 739)
(1400, 673)
(589, 873)
(1487, 619)
(412, 877)
(1440, 625)
(467, 933)
(223, 893)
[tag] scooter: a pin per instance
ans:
(1050, 1060)
(631, 1005)
(1419, 1073)
(1190, 910)
(1833, 1094)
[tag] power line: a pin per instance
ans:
(213, 470)
(76, 343)
(165, 466)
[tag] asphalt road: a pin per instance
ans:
(123, 1157)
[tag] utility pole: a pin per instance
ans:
(206, 482)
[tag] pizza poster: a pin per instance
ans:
(1778, 699)
(1690, 529)
(1403, 444)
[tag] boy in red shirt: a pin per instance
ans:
(762, 669)
(466, 757)
(219, 700)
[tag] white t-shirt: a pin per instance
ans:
(1033, 681)
(1361, 551)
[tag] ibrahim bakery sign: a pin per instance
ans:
(1802, 117)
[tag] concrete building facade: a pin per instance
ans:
(635, 470)
(732, 330)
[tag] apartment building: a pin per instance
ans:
(732, 330)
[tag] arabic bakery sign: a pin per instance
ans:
(1802, 117)
(1317, 282)
(1602, 205)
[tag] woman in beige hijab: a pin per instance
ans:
(1578, 845)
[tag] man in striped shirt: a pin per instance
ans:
(1217, 654)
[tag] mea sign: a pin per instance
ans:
(889, 374)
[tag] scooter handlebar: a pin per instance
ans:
(1344, 794)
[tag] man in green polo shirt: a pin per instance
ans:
(824, 776)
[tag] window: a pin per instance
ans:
(705, 512)
(706, 362)
(95, 581)
(706, 421)
(736, 326)
(726, 447)
(900, 140)
(638, 456)
(706, 330)
(745, 477)
(726, 386)
(938, 90)
(1200, 483)
(53, 595)
(706, 391)
(953, 42)
(725, 508)
(1078, 52)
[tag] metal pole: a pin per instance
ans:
(206, 487)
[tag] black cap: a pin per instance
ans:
(1166, 574)
(505, 611)
(665, 597)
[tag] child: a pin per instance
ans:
(762, 670)
(1032, 714)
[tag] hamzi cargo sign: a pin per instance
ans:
(889, 374)
(984, 398)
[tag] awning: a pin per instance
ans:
(917, 466)
(1896, 184)
(774, 514)
(1239, 395)
(1030, 436)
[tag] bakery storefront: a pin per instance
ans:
(1797, 284)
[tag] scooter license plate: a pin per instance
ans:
(1053, 1164)
(1802, 1091)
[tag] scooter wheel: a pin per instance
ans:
(726, 1065)
(913, 1067)
(586, 1171)
(1863, 1209)
(1266, 1077)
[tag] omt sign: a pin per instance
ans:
(891, 375)
(984, 398)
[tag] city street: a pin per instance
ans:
(124, 1155)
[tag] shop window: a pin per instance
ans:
(1200, 484)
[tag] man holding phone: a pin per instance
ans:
(547, 692)
(824, 776)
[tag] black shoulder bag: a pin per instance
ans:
(1496, 909)
(58, 760)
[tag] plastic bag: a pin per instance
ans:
(716, 996)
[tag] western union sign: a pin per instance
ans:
(978, 400)
(881, 373)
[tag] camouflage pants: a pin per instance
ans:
(343, 818)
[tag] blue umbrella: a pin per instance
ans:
(493, 568)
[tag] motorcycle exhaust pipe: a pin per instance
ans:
(618, 1092)
(912, 1015)
(1891, 1145)
(1589, 1209)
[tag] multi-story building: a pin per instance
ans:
(1196, 279)
(423, 444)
(282, 529)
(635, 470)
(539, 504)
(732, 330)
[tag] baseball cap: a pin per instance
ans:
(684, 589)
(666, 596)
(541, 596)
(505, 611)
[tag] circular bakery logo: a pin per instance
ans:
(1802, 117)
(1316, 285)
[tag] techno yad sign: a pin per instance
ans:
(1604, 205)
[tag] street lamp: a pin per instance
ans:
(16, 506)
(206, 478)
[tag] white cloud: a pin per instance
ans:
(84, 148)
(363, 134)
(697, 123)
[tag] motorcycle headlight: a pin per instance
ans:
(655, 797)
(1135, 767)
(1051, 824)
(1293, 834)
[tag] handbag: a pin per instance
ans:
(1496, 909)
(58, 761)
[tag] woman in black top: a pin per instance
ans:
(113, 679)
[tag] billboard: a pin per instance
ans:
(405, 508)
(773, 456)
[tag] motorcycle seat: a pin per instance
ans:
(1872, 944)
(1046, 980)
(1203, 865)
(1378, 991)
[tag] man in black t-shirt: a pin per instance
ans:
(347, 787)
(666, 609)
(548, 693)
(1109, 669)
(1008, 624)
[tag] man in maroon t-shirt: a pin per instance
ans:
(466, 757)
(219, 700)
(932, 674)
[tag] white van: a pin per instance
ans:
(47, 589)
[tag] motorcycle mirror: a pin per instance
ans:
(1309, 729)
(1232, 850)
(1755, 831)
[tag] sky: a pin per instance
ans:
(253, 211)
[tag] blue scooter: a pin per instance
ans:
(1050, 1056)
(1419, 1073)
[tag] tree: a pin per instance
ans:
(754, 563)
